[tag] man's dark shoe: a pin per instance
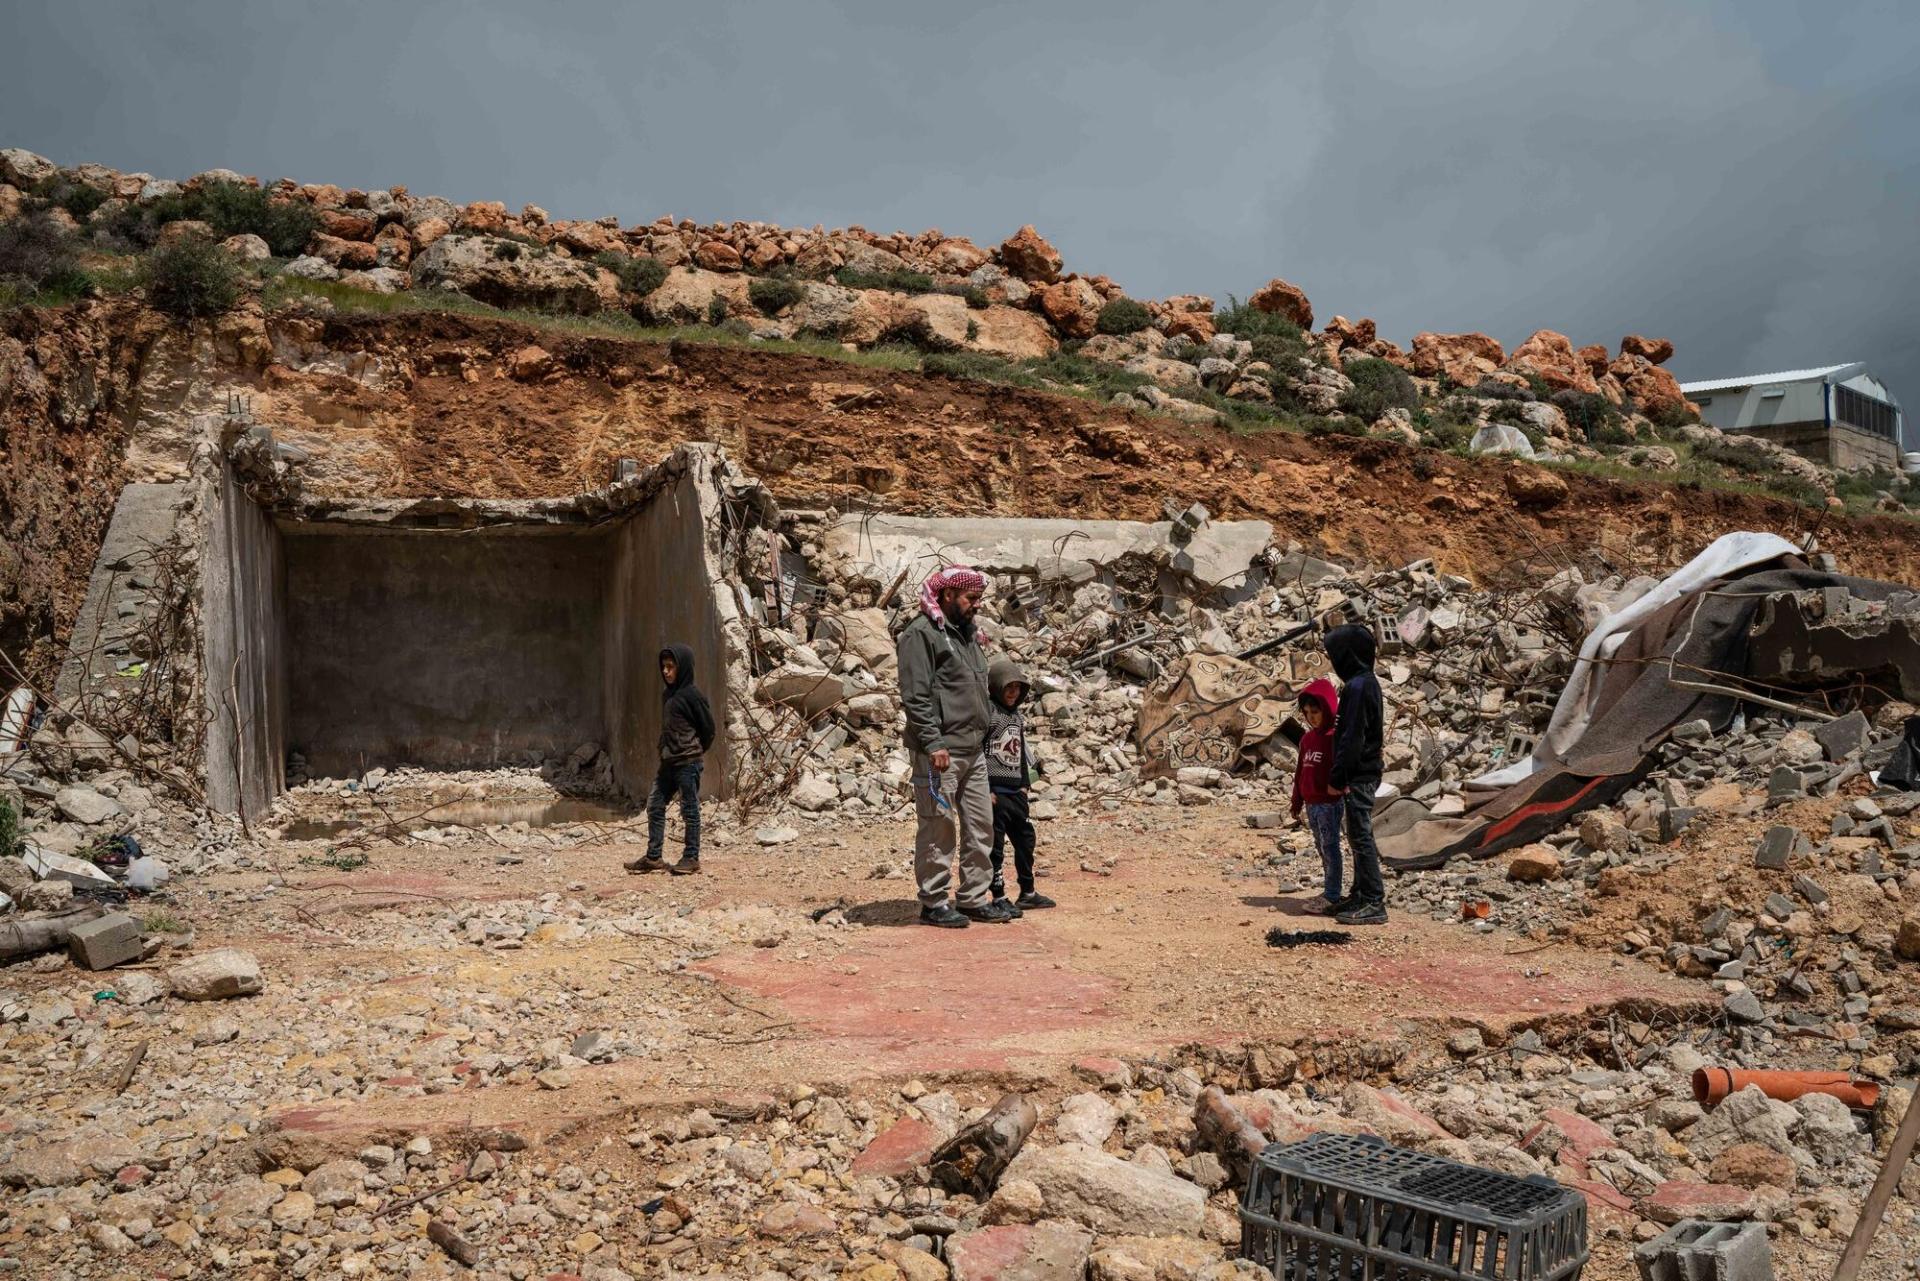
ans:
(1339, 905)
(651, 863)
(1032, 900)
(686, 867)
(1012, 908)
(1364, 914)
(944, 917)
(995, 913)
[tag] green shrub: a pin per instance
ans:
(977, 365)
(240, 209)
(1446, 432)
(637, 275)
(1123, 316)
(10, 839)
(230, 208)
(1669, 416)
(506, 251)
(1488, 389)
(773, 295)
(77, 198)
(1244, 321)
(899, 282)
(976, 296)
(716, 311)
(1614, 434)
(191, 278)
(1587, 413)
(41, 256)
(1336, 425)
(1378, 386)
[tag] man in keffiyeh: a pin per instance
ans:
(943, 687)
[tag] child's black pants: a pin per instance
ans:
(1012, 822)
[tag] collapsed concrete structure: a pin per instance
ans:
(442, 633)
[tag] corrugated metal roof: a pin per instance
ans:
(1784, 376)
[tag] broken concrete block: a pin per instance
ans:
(1843, 737)
(217, 975)
(1809, 889)
(1674, 820)
(1697, 1250)
(1743, 1005)
(1779, 906)
(1777, 848)
(105, 942)
(84, 805)
(46, 896)
(1785, 784)
(1266, 819)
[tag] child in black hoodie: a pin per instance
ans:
(1357, 768)
(1009, 770)
(686, 732)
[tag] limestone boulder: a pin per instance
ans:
(1462, 359)
(1655, 390)
(379, 280)
(958, 257)
(1102, 1192)
(1029, 257)
(1020, 1252)
(1012, 332)
(1346, 333)
(1550, 357)
(718, 255)
(1085, 1118)
(1281, 298)
(22, 168)
(1657, 350)
(216, 975)
(845, 315)
(247, 247)
(686, 297)
(506, 273)
(937, 322)
(1072, 305)
(1532, 864)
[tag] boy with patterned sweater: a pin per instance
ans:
(1009, 770)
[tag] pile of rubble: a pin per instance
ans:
(1469, 675)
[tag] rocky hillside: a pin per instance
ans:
(1010, 313)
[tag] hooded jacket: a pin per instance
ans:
(686, 719)
(1313, 778)
(943, 686)
(1361, 723)
(1008, 765)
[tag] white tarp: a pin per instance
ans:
(1572, 713)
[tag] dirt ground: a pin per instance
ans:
(1163, 948)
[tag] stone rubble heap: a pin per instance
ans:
(1468, 675)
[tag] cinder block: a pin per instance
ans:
(105, 942)
(1696, 1250)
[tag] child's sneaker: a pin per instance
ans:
(651, 863)
(1318, 905)
(1013, 909)
(686, 867)
(1032, 900)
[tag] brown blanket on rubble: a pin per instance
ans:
(1206, 710)
(1636, 707)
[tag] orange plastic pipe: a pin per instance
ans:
(1712, 1084)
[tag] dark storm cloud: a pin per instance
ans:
(1741, 177)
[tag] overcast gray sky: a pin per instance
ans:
(1742, 176)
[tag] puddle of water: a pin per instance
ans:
(483, 813)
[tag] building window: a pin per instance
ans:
(1857, 409)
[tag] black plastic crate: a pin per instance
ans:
(1340, 1207)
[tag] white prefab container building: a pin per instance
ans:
(1839, 415)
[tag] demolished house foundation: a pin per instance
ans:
(441, 633)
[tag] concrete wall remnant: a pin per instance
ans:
(1219, 556)
(460, 633)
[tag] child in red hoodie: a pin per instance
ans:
(1313, 787)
